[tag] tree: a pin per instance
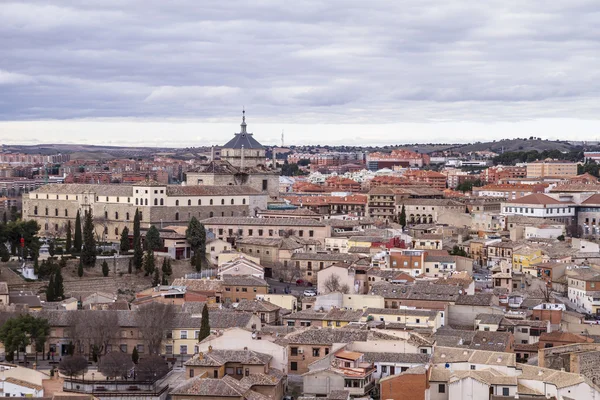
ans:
(50, 295)
(457, 251)
(124, 240)
(151, 368)
(204, 325)
(156, 278)
(196, 237)
(93, 329)
(59, 290)
(164, 280)
(105, 268)
(135, 356)
(334, 284)
(77, 240)
(287, 272)
(68, 243)
(153, 320)
(23, 330)
(51, 248)
(129, 267)
(198, 261)
(169, 268)
(149, 263)
(88, 252)
(138, 252)
(152, 241)
(80, 268)
(115, 364)
(4, 218)
(72, 366)
(402, 219)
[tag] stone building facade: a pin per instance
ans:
(114, 206)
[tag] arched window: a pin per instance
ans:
(136, 201)
(45, 227)
(176, 202)
(189, 202)
(35, 210)
(232, 201)
(66, 212)
(199, 202)
(176, 216)
(46, 212)
(56, 227)
(116, 231)
(56, 212)
(162, 202)
(222, 202)
(127, 216)
(146, 202)
(117, 199)
(210, 214)
(106, 230)
(211, 202)
(243, 201)
(155, 202)
(116, 215)
(222, 213)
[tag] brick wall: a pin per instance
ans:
(404, 387)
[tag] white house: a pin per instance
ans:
(242, 266)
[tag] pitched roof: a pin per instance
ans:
(538, 198)
(225, 387)
(243, 280)
(329, 336)
(262, 221)
(222, 357)
(245, 140)
(206, 190)
(388, 357)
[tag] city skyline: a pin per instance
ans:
(125, 74)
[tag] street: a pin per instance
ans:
(279, 287)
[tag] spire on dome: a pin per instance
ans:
(243, 121)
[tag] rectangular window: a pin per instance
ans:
(441, 388)
(316, 351)
(169, 349)
(183, 349)
(238, 371)
(183, 335)
(505, 392)
(191, 373)
(293, 366)
(140, 348)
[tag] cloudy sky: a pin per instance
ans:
(178, 72)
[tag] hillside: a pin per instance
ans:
(516, 145)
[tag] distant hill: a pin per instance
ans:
(507, 145)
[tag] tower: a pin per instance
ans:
(243, 151)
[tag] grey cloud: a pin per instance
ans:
(306, 62)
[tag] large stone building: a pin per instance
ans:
(113, 206)
(242, 163)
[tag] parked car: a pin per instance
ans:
(310, 293)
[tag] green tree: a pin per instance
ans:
(457, 251)
(169, 268)
(77, 240)
(152, 241)
(198, 260)
(80, 268)
(105, 268)
(138, 252)
(59, 290)
(4, 218)
(88, 252)
(124, 240)
(149, 263)
(164, 280)
(68, 243)
(135, 356)
(50, 295)
(51, 249)
(164, 266)
(204, 325)
(402, 219)
(23, 330)
(196, 237)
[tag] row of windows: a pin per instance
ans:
(144, 202)
(260, 232)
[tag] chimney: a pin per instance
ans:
(201, 356)
(210, 349)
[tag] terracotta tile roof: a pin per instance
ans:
(216, 358)
(538, 199)
(225, 387)
(243, 221)
(205, 190)
(329, 336)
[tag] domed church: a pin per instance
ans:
(242, 163)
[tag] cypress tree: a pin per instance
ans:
(164, 280)
(88, 252)
(59, 290)
(149, 265)
(164, 266)
(138, 252)
(135, 356)
(169, 269)
(124, 240)
(156, 278)
(105, 268)
(80, 268)
(402, 219)
(77, 240)
(50, 296)
(68, 244)
(204, 325)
